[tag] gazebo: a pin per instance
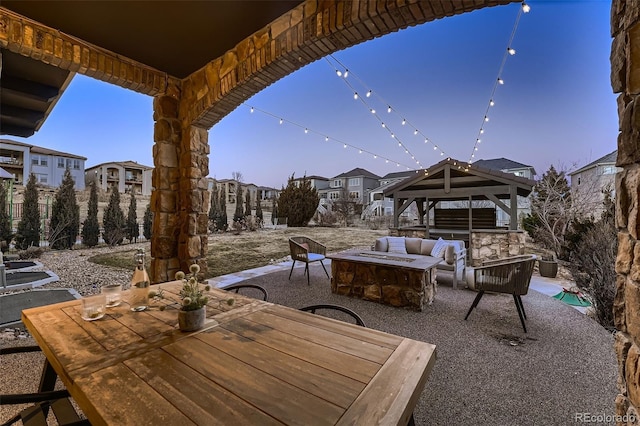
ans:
(461, 201)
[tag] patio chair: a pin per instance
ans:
(306, 250)
(510, 275)
(58, 401)
(314, 308)
(250, 291)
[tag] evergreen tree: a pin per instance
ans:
(298, 203)
(238, 216)
(133, 230)
(274, 211)
(259, 210)
(65, 215)
(6, 233)
(91, 227)
(223, 221)
(113, 222)
(29, 226)
(214, 209)
(147, 222)
(247, 202)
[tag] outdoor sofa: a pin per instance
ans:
(452, 252)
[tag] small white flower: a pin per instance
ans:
(186, 301)
(195, 268)
(180, 275)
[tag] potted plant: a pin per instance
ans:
(548, 266)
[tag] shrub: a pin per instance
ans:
(6, 233)
(133, 230)
(31, 252)
(113, 222)
(298, 203)
(147, 222)
(327, 219)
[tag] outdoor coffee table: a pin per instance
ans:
(403, 280)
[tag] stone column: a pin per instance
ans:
(179, 201)
(165, 181)
(625, 79)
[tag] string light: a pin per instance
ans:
(500, 81)
(251, 110)
(511, 51)
(308, 130)
(355, 96)
(491, 103)
(389, 109)
(369, 94)
(525, 7)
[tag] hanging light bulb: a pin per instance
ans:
(486, 118)
(397, 164)
(339, 73)
(383, 125)
(415, 132)
(251, 110)
(360, 152)
(442, 153)
(389, 109)
(386, 161)
(306, 130)
(393, 136)
(345, 146)
(399, 143)
(481, 131)
(355, 95)
(369, 94)
(373, 111)
(281, 121)
(404, 121)
(500, 81)
(434, 148)
(525, 7)
(326, 138)
(375, 156)
(475, 149)
(478, 141)
(511, 51)
(491, 103)
(346, 73)
(473, 155)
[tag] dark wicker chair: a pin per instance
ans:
(56, 401)
(314, 308)
(250, 290)
(510, 275)
(304, 249)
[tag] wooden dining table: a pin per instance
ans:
(254, 362)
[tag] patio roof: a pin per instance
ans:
(451, 180)
(175, 37)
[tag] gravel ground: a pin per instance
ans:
(487, 370)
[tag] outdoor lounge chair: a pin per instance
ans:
(56, 401)
(314, 308)
(510, 275)
(306, 250)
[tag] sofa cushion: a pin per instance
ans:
(439, 248)
(426, 246)
(450, 254)
(413, 245)
(381, 244)
(397, 245)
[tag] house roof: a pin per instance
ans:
(609, 159)
(451, 179)
(398, 175)
(312, 177)
(128, 164)
(358, 172)
(501, 164)
(40, 150)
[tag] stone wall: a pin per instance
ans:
(625, 80)
(490, 244)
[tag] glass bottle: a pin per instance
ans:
(139, 294)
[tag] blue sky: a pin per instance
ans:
(556, 106)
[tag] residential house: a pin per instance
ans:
(589, 183)
(378, 204)
(354, 187)
(127, 176)
(321, 184)
(20, 159)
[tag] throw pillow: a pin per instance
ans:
(396, 245)
(439, 248)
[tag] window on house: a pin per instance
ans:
(337, 183)
(35, 160)
(354, 194)
(61, 163)
(42, 178)
(76, 164)
(354, 181)
(68, 163)
(578, 180)
(608, 170)
(334, 195)
(519, 173)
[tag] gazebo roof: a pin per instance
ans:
(452, 180)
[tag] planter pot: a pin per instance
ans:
(192, 320)
(548, 268)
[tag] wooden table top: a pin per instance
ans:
(253, 363)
